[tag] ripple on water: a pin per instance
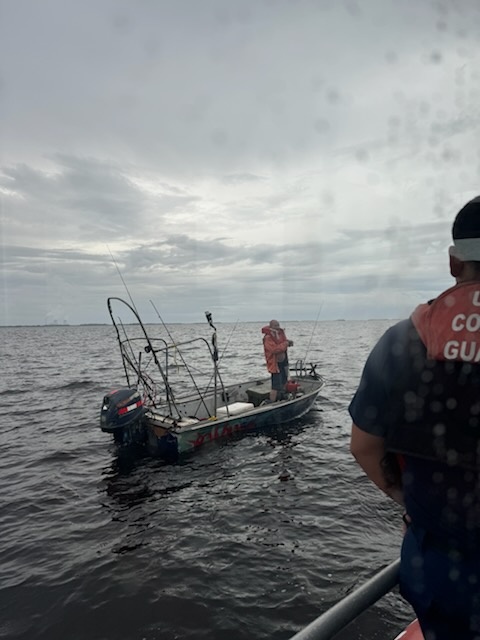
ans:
(98, 544)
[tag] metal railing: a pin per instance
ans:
(341, 614)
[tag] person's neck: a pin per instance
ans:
(466, 279)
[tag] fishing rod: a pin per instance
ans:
(126, 340)
(313, 331)
(229, 338)
(221, 355)
(180, 354)
(216, 370)
(133, 362)
(138, 369)
(136, 366)
(121, 278)
(300, 365)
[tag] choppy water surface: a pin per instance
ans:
(100, 544)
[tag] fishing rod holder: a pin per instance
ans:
(303, 368)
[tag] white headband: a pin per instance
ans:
(466, 249)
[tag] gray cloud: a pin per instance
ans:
(253, 155)
(254, 81)
(188, 273)
(82, 200)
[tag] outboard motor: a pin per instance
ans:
(121, 408)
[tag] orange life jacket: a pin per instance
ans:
(436, 403)
(275, 344)
(449, 327)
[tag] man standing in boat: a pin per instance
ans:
(275, 345)
(416, 434)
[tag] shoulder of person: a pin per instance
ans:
(395, 345)
(403, 331)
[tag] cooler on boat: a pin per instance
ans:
(260, 392)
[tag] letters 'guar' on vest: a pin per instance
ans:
(434, 411)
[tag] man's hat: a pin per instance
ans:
(466, 232)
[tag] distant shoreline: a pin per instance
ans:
(106, 324)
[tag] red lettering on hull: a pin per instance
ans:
(215, 433)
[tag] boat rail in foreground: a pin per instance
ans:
(326, 626)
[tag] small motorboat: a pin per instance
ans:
(148, 410)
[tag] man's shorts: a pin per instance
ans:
(277, 381)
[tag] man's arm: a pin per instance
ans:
(276, 347)
(369, 451)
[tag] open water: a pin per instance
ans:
(99, 544)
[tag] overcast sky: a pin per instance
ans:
(257, 158)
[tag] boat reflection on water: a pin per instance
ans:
(131, 487)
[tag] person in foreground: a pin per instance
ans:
(416, 434)
(275, 345)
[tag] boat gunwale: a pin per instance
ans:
(152, 413)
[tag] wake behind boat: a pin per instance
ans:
(148, 411)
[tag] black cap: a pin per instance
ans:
(467, 221)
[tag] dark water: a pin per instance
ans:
(100, 545)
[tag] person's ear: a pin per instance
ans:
(456, 267)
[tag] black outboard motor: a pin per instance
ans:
(121, 408)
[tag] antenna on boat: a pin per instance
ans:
(215, 371)
(208, 315)
(121, 278)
